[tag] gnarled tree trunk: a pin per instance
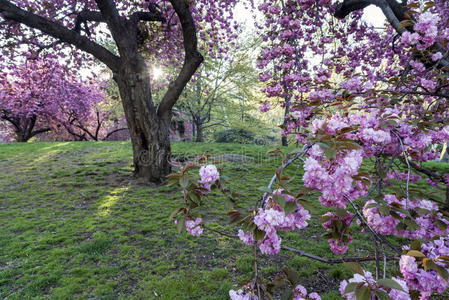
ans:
(149, 132)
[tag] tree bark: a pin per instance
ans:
(20, 137)
(149, 132)
(287, 110)
(199, 133)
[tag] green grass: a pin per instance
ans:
(76, 224)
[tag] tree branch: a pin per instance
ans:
(334, 261)
(117, 26)
(85, 16)
(11, 12)
(393, 11)
(192, 59)
(36, 132)
(114, 131)
(147, 16)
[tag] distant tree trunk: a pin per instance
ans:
(287, 110)
(444, 157)
(149, 132)
(23, 128)
(193, 129)
(20, 137)
(199, 133)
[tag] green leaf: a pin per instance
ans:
(177, 211)
(390, 283)
(330, 154)
(382, 295)
(287, 295)
(354, 267)
(411, 225)
(341, 212)
(183, 181)
(292, 276)
(194, 197)
(431, 265)
(384, 210)
(395, 215)
(441, 224)
(324, 219)
(280, 200)
(350, 287)
(180, 225)
(279, 281)
(416, 253)
(229, 204)
(363, 293)
(290, 207)
(264, 189)
(371, 205)
(323, 145)
(307, 205)
(401, 226)
(259, 234)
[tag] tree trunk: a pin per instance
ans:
(287, 110)
(199, 133)
(149, 132)
(444, 157)
(21, 136)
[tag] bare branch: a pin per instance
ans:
(147, 16)
(370, 229)
(85, 16)
(408, 167)
(192, 59)
(285, 165)
(117, 25)
(114, 131)
(334, 261)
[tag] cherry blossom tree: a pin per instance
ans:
(163, 30)
(37, 96)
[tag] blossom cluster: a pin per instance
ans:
(300, 293)
(271, 219)
(241, 295)
(193, 227)
(334, 181)
(426, 281)
(426, 220)
(338, 245)
(367, 280)
(209, 174)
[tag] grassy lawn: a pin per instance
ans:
(75, 224)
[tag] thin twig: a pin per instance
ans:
(385, 260)
(256, 273)
(220, 232)
(334, 261)
(377, 259)
(285, 165)
(408, 169)
(375, 235)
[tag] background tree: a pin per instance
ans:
(219, 82)
(36, 97)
